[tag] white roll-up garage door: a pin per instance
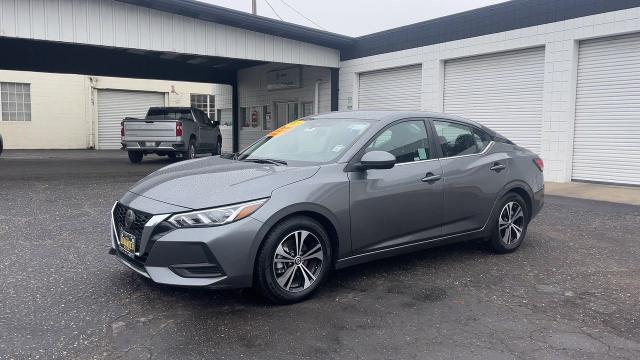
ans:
(502, 91)
(391, 89)
(115, 105)
(607, 126)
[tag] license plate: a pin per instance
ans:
(150, 144)
(128, 244)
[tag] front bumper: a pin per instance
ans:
(215, 257)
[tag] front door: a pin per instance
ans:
(474, 173)
(400, 205)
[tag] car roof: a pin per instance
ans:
(388, 116)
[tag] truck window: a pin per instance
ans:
(168, 114)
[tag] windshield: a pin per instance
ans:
(168, 114)
(315, 141)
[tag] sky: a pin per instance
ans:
(357, 17)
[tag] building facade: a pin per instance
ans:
(66, 111)
(558, 77)
(567, 90)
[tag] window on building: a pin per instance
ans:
(457, 139)
(205, 103)
(407, 141)
(15, 102)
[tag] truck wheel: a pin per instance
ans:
(135, 156)
(191, 151)
(218, 150)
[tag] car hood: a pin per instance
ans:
(213, 181)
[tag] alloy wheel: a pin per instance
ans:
(511, 223)
(298, 261)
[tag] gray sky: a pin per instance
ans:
(358, 17)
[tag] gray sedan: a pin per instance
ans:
(323, 193)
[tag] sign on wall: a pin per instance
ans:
(284, 79)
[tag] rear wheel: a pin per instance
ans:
(293, 261)
(135, 156)
(218, 150)
(510, 225)
(191, 150)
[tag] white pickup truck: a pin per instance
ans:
(171, 131)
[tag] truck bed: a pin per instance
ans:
(150, 130)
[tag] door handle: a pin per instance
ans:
(497, 167)
(431, 178)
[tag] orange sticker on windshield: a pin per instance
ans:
(285, 129)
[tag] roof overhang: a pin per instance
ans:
(243, 20)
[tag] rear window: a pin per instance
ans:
(168, 114)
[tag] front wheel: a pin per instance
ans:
(510, 226)
(293, 261)
(135, 156)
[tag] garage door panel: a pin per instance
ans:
(607, 124)
(502, 91)
(391, 89)
(115, 105)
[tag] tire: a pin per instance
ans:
(218, 150)
(274, 277)
(191, 151)
(512, 214)
(135, 156)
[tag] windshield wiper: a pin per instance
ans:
(267, 161)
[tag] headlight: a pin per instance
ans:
(217, 216)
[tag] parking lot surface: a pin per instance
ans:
(572, 291)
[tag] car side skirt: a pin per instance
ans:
(408, 248)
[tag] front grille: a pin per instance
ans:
(136, 228)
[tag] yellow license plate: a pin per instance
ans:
(128, 243)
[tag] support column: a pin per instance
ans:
(335, 88)
(235, 116)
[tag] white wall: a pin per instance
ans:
(560, 40)
(252, 91)
(112, 23)
(63, 111)
(60, 112)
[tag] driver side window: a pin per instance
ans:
(407, 141)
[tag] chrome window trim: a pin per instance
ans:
(476, 154)
(417, 162)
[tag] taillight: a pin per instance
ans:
(179, 128)
(539, 163)
(122, 128)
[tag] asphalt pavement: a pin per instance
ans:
(571, 292)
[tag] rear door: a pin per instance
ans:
(473, 175)
(403, 204)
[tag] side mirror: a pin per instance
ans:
(377, 160)
(215, 123)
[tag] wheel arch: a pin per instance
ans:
(313, 211)
(517, 186)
